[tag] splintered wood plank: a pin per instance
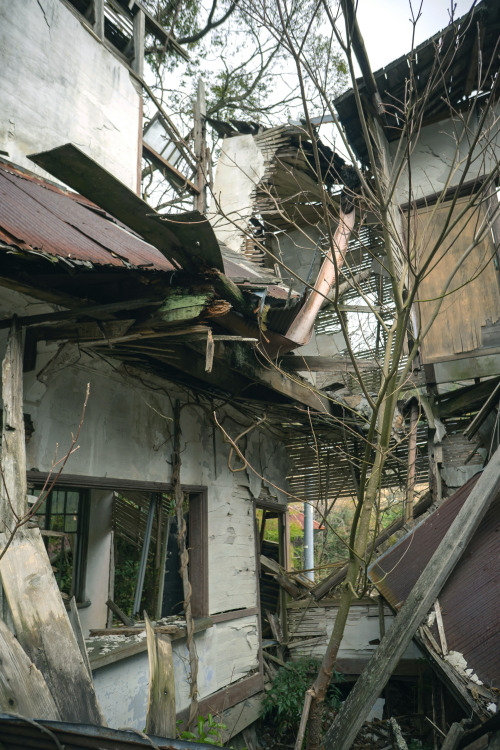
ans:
(23, 689)
(43, 628)
(13, 495)
(373, 679)
(161, 715)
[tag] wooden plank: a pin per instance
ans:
(440, 627)
(189, 239)
(200, 148)
(227, 697)
(235, 614)
(457, 327)
(99, 18)
(125, 651)
(480, 417)
(325, 364)
(453, 737)
(13, 490)
(121, 615)
(74, 619)
(174, 631)
(160, 718)
(351, 716)
(43, 628)
(23, 689)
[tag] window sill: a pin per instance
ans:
(108, 649)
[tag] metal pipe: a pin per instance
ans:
(309, 541)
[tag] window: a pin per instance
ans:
(146, 553)
(63, 519)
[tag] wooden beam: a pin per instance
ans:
(297, 363)
(483, 412)
(180, 180)
(23, 689)
(139, 30)
(13, 490)
(43, 628)
(99, 18)
(200, 148)
(160, 718)
(353, 712)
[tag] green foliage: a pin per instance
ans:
(207, 731)
(285, 699)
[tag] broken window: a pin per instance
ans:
(63, 518)
(146, 552)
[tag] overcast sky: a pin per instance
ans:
(386, 27)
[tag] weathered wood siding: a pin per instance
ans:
(231, 550)
(464, 315)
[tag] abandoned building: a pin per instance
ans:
(170, 386)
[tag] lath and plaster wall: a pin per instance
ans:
(60, 84)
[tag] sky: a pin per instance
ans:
(387, 30)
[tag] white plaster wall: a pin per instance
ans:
(442, 147)
(59, 84)
(239, 169)
(227, 652)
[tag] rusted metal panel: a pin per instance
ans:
(470, 599)
(17, 732)
(48, 220)
(38, 216)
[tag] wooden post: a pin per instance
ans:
(351, 716)
(13, 495)
(160, 720)
(200, 148)
(99, 18)
(139, 32)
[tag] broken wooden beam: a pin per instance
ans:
(161, 714)
(373, 679)
(175, 631)
(23, 689)
(129, 621)
(43, 628)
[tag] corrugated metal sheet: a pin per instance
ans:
(49, 220)
(470, 599)
(38, 216)
(17, 732)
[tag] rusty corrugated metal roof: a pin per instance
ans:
(38, 216)
(470, 599)
(45, 219)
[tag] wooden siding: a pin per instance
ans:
(476, 301)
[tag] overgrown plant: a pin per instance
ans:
(283, 702)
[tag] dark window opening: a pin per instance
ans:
(147, 564)
(63, 518)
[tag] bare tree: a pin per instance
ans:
(423, 237)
